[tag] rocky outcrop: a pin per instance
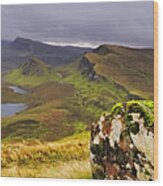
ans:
(122, 142)
(87, 68)
(35, 67)
(103, 50)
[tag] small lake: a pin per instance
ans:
(10, 109)
(18, 90)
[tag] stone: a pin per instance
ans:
(122, 144)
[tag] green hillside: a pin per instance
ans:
(131, 68)
(32, 73)
(70, 97)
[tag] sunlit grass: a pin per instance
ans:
(16, 77)
(67, 170)
(67, 158)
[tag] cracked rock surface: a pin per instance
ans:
(122, 142)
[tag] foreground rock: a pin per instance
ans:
(122, 142)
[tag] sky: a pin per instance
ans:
(87, 24)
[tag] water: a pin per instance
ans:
(18, 90)
(10, 109)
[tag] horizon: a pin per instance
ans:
(81, 44)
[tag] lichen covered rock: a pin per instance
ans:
(122, 142)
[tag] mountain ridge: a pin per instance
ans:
(129, 67)
(16, 52)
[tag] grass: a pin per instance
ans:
(66, 158)
(72, 170)
(48, 125)
(16, 77)
(8, 96)
(131, 68)
(67, 104)
(67, 170)
(95, 96)
(52, 115)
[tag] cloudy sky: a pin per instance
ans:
(127, 23)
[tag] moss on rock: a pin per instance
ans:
(122, 142)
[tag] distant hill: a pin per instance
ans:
(127, 69)
(16, 52)
(65, 100)
(34, 67)
(130, 68)
(33, 72)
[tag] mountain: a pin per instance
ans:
(31, 73)
(16, 52)
(34, 67)
(128, 67)
(122, 69)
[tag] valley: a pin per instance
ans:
(52, 133)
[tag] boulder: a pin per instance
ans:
(122, 142)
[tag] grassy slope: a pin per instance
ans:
(8, 96)
(16, 77)
(65, 105)
(44, 119)
(67, 158)
(132, 68)
(51, 115)
(95, 96)
(56, 110)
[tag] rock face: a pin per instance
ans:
(88, 68)
(34, 66)
(122, 142)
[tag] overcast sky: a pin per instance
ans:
(128, 23)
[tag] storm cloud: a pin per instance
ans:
(128, 23)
